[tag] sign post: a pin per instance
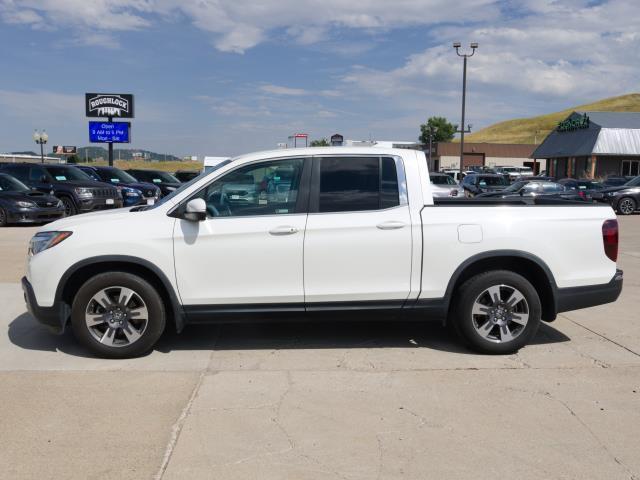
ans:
(109, 105)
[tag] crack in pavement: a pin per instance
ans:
(602, 336)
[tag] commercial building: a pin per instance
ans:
(447, 155)
(593, 145)
(14, 158)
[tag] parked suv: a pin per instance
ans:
(483, 183)
(624, 199)
(77, 191)
(133, 192)
(163, 180)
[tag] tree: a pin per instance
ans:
(319, 143)
(72, 159)
(444, 131)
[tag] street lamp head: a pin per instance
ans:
(36, 136)
(44, 136)
(474, 45)
(457, 44)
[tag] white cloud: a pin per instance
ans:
(280, 90)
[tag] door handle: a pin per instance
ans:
(391, 225)
(283, 230)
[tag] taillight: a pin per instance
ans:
(610, 238)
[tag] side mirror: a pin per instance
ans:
(195, 210)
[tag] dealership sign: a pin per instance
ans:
(337, 140)
(570, 124)
(109, 105)
(65, 150)
(109, 132)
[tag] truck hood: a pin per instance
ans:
(68, 223)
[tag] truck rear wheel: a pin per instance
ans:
(497, 312)
(117, 315)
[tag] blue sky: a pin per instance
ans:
(216, 77)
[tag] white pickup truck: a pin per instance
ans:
(325, 231)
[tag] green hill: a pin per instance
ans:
(526, 130)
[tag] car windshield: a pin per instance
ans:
(67, 174)
(442, 180)
(10, 184)
(492, 181)
(115, 175)
(163, 200)
(161, 177)
(515, 187)
(634, 182)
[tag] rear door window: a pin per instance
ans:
(352, 184)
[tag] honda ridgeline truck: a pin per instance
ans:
(327, 233)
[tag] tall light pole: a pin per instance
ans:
(432, 132)
(41, 138)
(464, 56)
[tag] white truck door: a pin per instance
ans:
(249, 249)
(357, 245)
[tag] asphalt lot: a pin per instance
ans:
(323, 401)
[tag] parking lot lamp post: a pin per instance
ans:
(41, 138)
(464, 56)
(432, 132)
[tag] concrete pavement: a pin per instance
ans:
(325, 401)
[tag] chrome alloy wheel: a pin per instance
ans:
(500, 313)
(626, 206)
(116, 316)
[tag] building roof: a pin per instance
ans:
(606, 133)
(503, 150)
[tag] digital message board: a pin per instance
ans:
(109, 132)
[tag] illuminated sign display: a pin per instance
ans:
(109, 132)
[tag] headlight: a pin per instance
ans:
(84, 192)
(170, 189)
(43, 240)
(22, 204)
(131, 192)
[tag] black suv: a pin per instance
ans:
(77, 191)
(167, 182)
(133, 192)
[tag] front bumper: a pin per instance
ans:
(54, 317)
(575, 298)
(34, 215)
(92, 204)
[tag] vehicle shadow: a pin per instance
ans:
(25, 332)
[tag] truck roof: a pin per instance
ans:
(337, 151)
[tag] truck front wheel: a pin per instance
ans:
(117, 315)
(497, 312)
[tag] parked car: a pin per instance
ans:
(362, 237)
(186, 175)
(589, 189)
(513, 174)
(163, 180)
(533, 188)
(77, 191)
(443, 185)
(624, 199)
(21, 204)
(483, 183)
(133, 192)
(615, 181)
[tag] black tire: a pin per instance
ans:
(475, 291)
(3, 217)
(69, 206)
(626, 206)
(147, 333)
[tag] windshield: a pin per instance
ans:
(115, 175)
(163, 200)
(634, 182)
(515, 187)
(164, 177)
(492, 181)
(442, 180)
(68, 174)
(10, 184)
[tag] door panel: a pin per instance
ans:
(238, 260)
(358, 256)
(249, 250)
(358, 238)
